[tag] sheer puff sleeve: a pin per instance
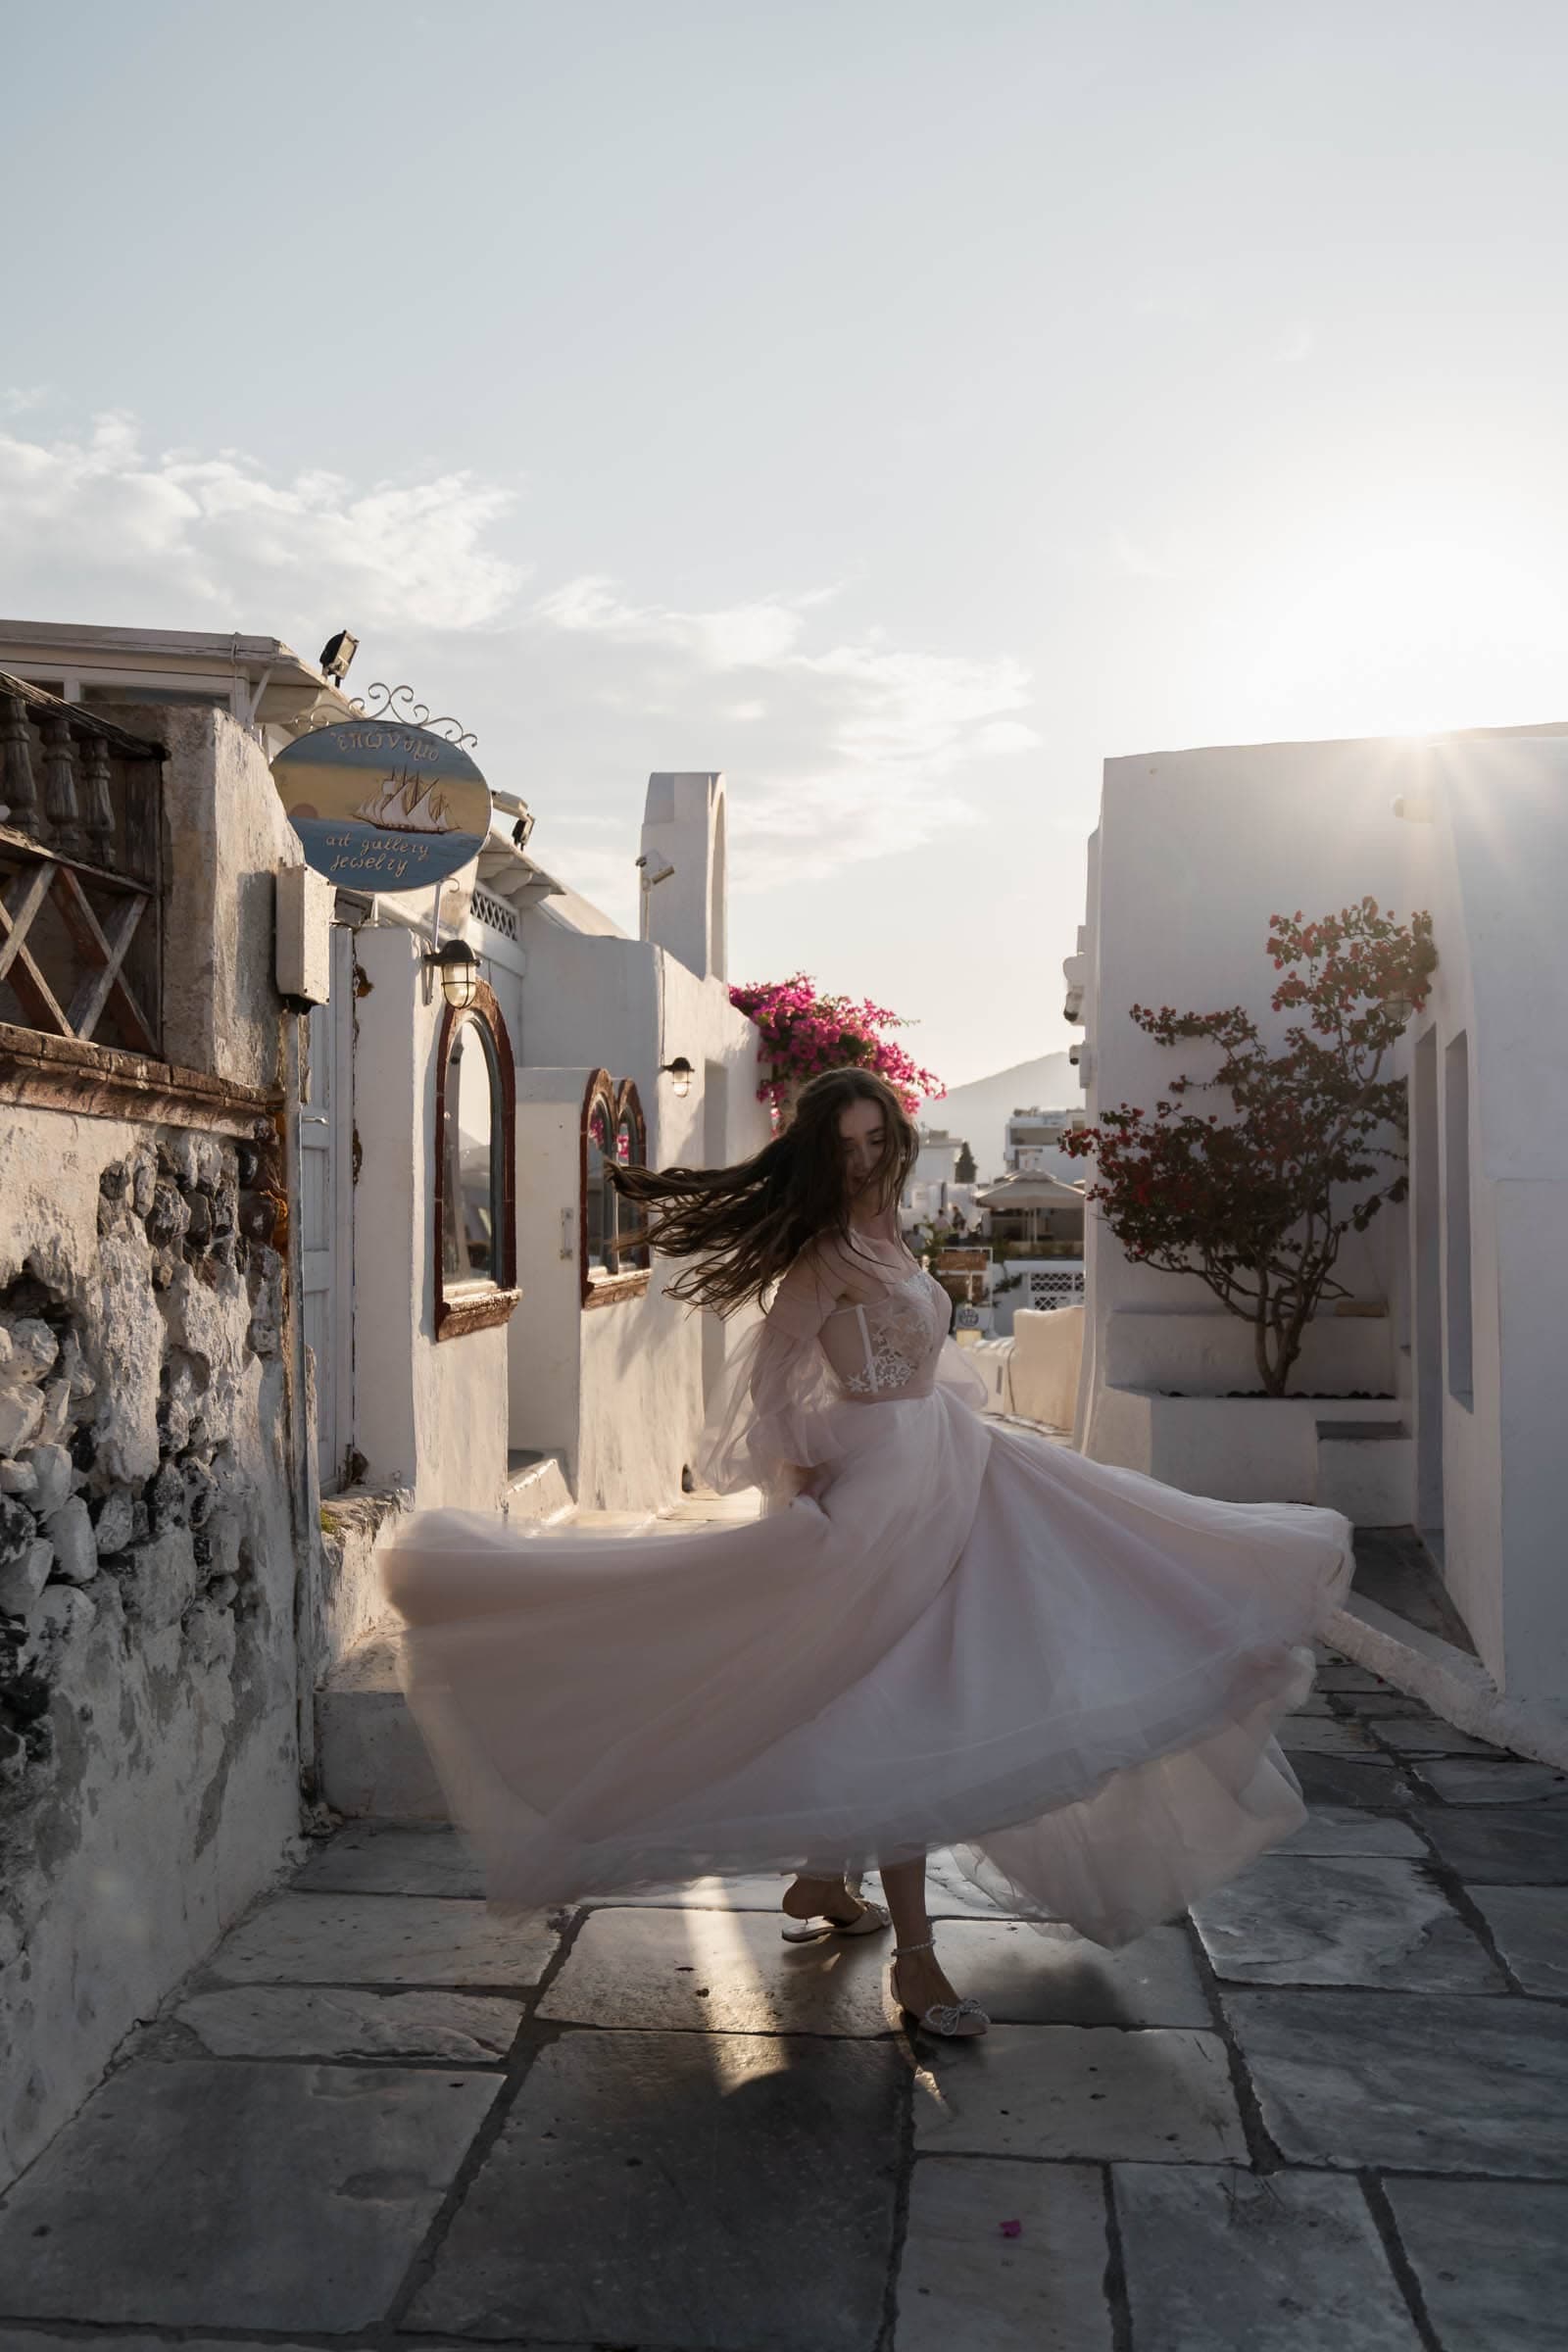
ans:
(953, 1372)
(773, 1422)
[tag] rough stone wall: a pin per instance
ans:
(147, 1772)
(149, 1681)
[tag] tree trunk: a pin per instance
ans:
(1275, 1364)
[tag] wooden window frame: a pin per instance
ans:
(621, 1099)
(461, 1307)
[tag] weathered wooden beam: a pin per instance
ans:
(19, 902)
(96, 949)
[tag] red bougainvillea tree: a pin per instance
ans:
(1258, 1205)
(805, 1031)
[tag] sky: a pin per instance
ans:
(900, 407)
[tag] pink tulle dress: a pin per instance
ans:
(943, 1632)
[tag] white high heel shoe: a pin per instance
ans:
(953, 2021)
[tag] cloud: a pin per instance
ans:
(1006, 735)
(1138, 561)
(867, 743)
(92, 522)
(1295, 343)
(839, 747)
(735, 638)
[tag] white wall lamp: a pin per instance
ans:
(679, 1072)
(459, 967)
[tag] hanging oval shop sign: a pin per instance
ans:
(383, 807)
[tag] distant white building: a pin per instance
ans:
(1035, 1144)
(1453, 1333)
(932, 1193)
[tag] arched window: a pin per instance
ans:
(475, 1170)
(614, 1265)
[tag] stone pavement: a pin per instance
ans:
(1329, 2115)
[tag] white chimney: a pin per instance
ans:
(683, 828)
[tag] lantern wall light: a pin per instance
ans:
(459, 967)
(679, 1072)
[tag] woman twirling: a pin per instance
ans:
(943, 1632)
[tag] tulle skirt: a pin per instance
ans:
(960, 1635)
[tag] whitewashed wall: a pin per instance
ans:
(429, 1415)
(646, 1365)
(620, 1390)
(1194, 850)
(1486, 849)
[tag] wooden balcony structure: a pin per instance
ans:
(80, 874)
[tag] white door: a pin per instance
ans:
(326, 1212)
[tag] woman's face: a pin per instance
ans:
(863, 1140)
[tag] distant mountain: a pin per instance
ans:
(980, 1110)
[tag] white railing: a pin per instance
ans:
(1060, 1285)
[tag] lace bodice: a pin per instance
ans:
(780, 1412)
(889, 1345)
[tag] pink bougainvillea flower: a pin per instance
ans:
(803, 1031)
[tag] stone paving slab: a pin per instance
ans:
(962, 2283)
(1468, 1781)
(195, 2194)
(1490, 2258)
(366, 1859)
(1321, 1918)
(1529, 1928)
(1341, 1677)
(672, 2188)
(20, 2337)
(1324, 1736)
(719, 1972)
(1022, 1977)
(31, 2339)
(948, 1894)
(296, 2020)
(1091, 2093)
(1374, 1784)
(1287, 2262)
(1415, 2081)
(1523, 1845)
(365, 1940)
(1429, 1735)
(1347, 1830)
(758, 1891)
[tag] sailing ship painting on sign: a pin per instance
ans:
(405, 804)
(382, 806)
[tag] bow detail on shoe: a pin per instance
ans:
(946, 2018)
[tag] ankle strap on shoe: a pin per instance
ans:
(901, 1950)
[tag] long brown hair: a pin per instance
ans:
(745, 1226)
